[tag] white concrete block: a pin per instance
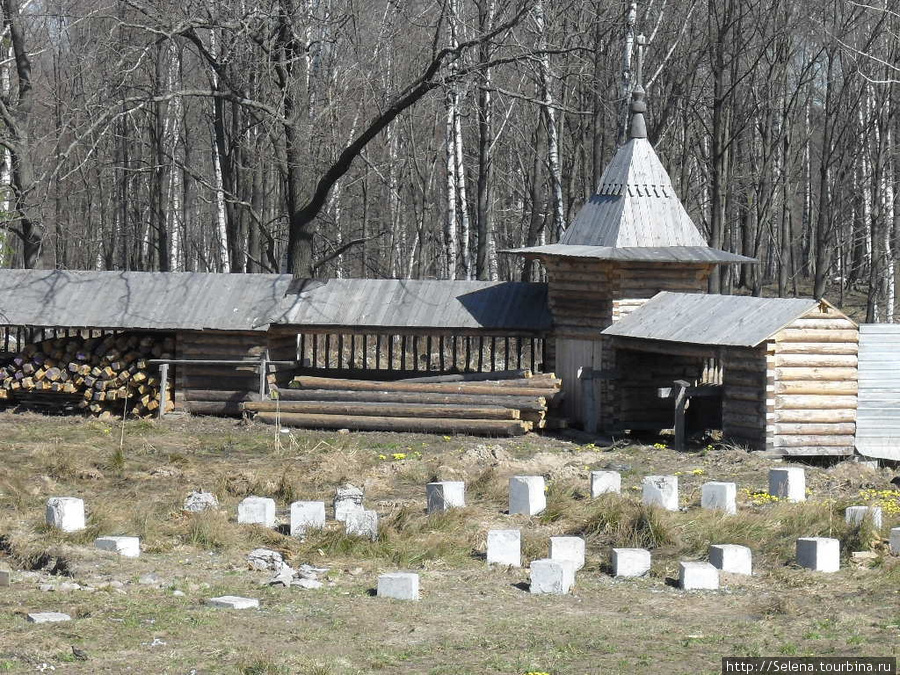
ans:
(233, 602)
(199, 501)
(504, 547)
(698, 576)
(65, 513)
(362, 523)
(568, 549)
(719, 496)
(307, 516)
(48, 617)
(895, 540)
(555, 577)
(526, 495)
(820, 554)
(788, 483)
(257, 511)
(128, 547)
(854, 515)
(4, 578)
(661, 491)
(603, 482)
(399, 585)
(731, 558)
(630, 562)
(445, 495)
(347, 498)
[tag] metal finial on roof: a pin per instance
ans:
(638, 104)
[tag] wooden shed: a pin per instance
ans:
(788, 367)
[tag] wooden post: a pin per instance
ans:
(262, 374)
(681, 401)
(163, 389)
(586, 376)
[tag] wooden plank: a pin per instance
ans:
(424, 425)
(375, 409)
(303, 382)
(524, 403)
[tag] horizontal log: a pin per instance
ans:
(814, 335)
(825, 416)
(475, 427)
(813, 440)
(834, 388)
(813, 451)
(218, 408)
(234, 395)
(732, 379)
(736, 393)
(372, 409)
(303, 382)
(815, 360)
(817, 348)
(809, 429)
(754, 420)
(522, 374)
(836, 323)
(744, 407)
(523, 403)
(816, 374)
(810, 402)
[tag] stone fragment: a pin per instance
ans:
(283, 577)
(788, 483)
(661, 491)
(854, 515)
(362, 523)
(233, 602)
(265, 559)
(820, 554)
(199, 501)
(698, 576)
(630, 562)
(527, 495)
(128, 547)
(399, 585)
(65, 513)
(48, 617)
(444, 495)
(603, 482)
(308, 584)
(554, 577)
(307, 516)
(504, 547)
(347, 498)
(731, 558)
(4, 578)
(719, 496)
(257, 511)
(149, 579)
(568, 549)
(895, 540)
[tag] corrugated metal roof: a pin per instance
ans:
(727, 320)
(408, 303)
(144, 300)
(674, 254)
(878, 409)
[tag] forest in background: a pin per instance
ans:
(418, 138)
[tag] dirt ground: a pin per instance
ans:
(148, 615)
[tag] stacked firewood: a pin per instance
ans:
(510, 404)
(105, 375)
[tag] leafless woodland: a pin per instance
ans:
(419, 138)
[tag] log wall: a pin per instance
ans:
(812, 385)
(744, 396)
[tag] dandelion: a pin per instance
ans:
(660, 446)
(759, 497)
(679, 473)
(697, 472)
(446, 438)
(398, 456)
(888, 500)
(382, 456)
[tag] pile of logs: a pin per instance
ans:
(509, 404)
(105, 376)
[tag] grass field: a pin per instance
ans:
(471, 619)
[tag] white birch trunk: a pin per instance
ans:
(887, 196)
(464, 222)
(451, 244)
(221, 218)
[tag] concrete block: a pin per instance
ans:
(854, 515)
(307, 516)
(347, 498)
(233, 602)
(399, 585)
(603, 482)
(555, 577)
(526, 495)
(698, 576)
(788, 483)
(895, 540)
(661, 491)
(65, 513)
(820, 554)
(630, 562)
(445, 495)
(257, 511)
(731, 558)
(362, 523)
(719, 496)
(568, 549)
(48, 617)
(4, 578)
(199, 501)
(504, 547)
(128, 547)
